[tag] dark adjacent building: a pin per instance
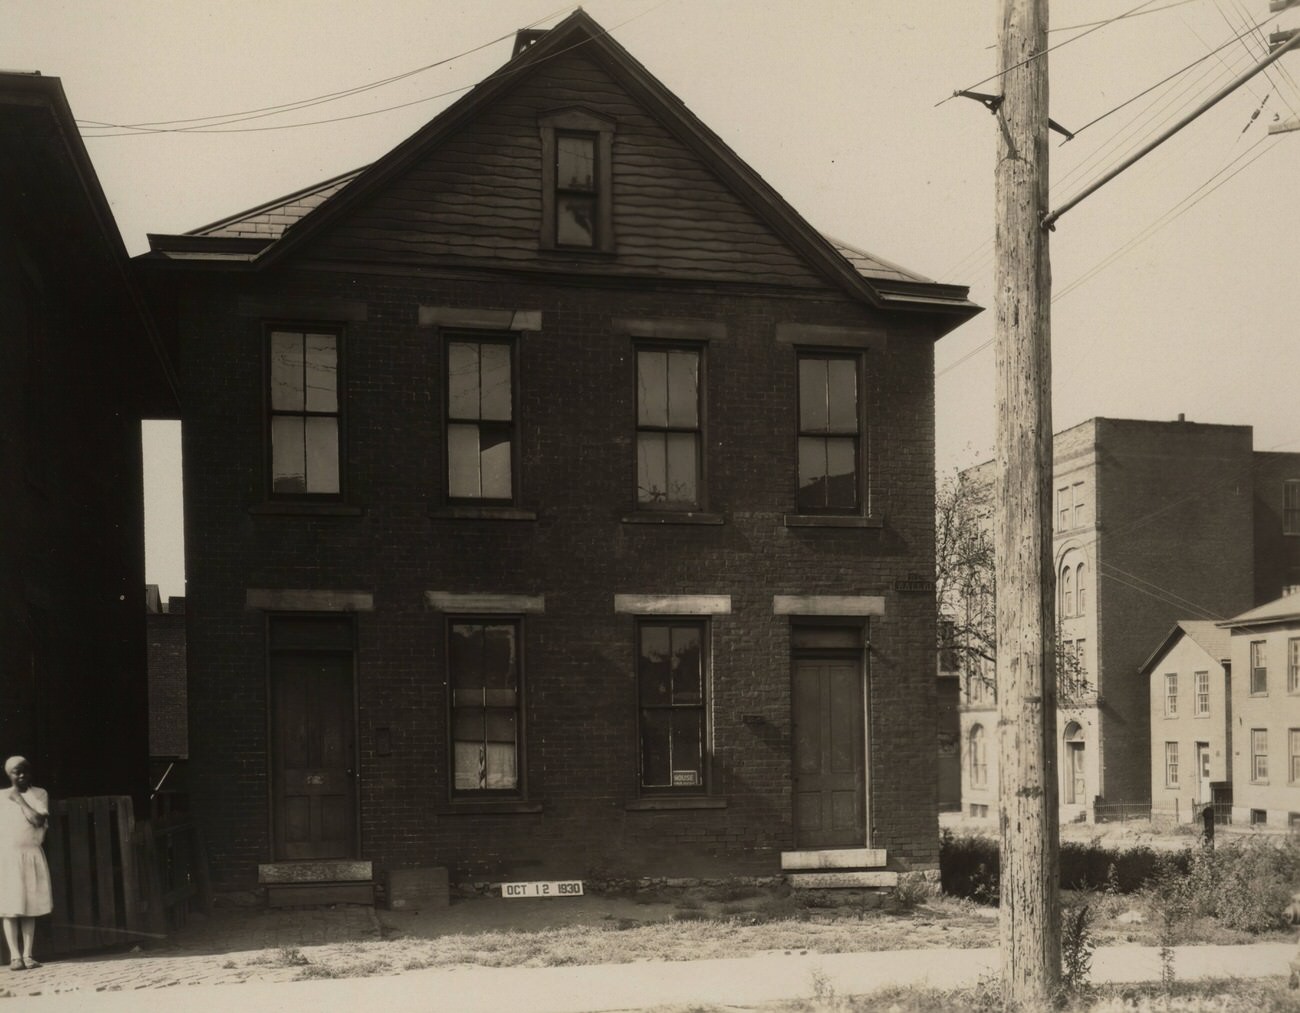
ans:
(547, 486)
(82, 365)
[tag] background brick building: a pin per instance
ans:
(1154, 522)
(540, 479)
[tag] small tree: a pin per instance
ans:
(966, 591)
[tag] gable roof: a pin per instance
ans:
(1205, 634)
(49, 186)
(271, 232)
(1280, 610)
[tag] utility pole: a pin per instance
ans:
(1030, 933)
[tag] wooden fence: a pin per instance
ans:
(118, 881)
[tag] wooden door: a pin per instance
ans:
(313, 753)
(829, 754)
(1077, 781)
(1203, 773)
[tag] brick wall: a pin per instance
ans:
(577, 450)
(1174, 511)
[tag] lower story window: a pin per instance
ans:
(671, 681)
(486, 717)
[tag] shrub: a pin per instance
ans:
(971, 866)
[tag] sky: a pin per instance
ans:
(1173, 284)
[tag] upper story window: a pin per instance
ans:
(830, 434)
(669, 433)
(1071, 507)
(1080, 591)
(1067, 591)
(672, 687)
(305, 417)
(577, 182)
(1293, 665)
(1171, 694)
(1202, 706)
(484, 676)
(576, 194)
(1259, 754)
(976, 750)
(1291, 506)
(480, 424)
(1258, 667)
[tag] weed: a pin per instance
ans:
(1077, 944)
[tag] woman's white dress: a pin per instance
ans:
(24, 874)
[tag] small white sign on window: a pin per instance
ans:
(685, 778)
(566, 888)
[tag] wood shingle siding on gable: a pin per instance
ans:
(477, 201)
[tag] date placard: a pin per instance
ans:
(565, 888)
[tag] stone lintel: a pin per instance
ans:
(828, 605)
(304, 600)
(673, 604)
(512, 604)
(478, 319)
(836, 337)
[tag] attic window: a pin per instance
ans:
(577, 182)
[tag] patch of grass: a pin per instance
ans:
(1209, 996)
(361, 969)
(731, 892)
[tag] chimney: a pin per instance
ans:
(1182, 417)
(176, 605)
(525, 37)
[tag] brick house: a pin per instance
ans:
(82, 365)
(1190, 684)
(547, 483)
(1266, 714)
(1153, 522)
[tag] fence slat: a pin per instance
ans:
(125, 814)
(106, 907)
(79, 882)
(56, 838)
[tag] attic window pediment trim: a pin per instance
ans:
(576, 118)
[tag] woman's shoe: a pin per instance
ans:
(16, 964)
(31, 963)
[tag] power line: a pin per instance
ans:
(1037, 56)
(248, 114)
(1165, 80)
(218, 128)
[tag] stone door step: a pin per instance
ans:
(334, 870)
(842, 880)
(835, 858)
(317, 894)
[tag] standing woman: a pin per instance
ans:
(24, 874)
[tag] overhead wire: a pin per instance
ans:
(984, 254)
(151, 126)
(1050, 49)
(223, 129)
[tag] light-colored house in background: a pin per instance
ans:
(1189, 676)
(1266, 713)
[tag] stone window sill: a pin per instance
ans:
(831, 521)
(485, 808)
(667, 802)
(482, 513)
(303, 508)
(672, 517)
